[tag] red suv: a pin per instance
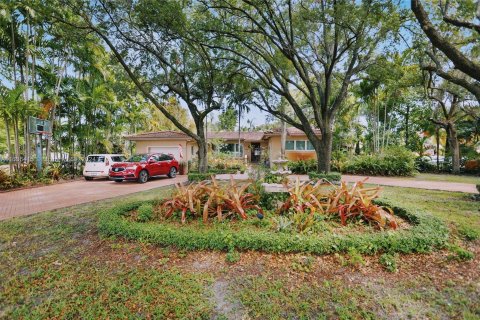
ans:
(140, 167)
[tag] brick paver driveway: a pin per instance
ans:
(29, 201)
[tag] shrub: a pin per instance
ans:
(425, 234)
(331, 176)
(224, 161)
(145, 212)
(348, 203)
(210, 199)
(423, 164)
(389, 261)
(267, 200)
(339, 160)
(196, 176)
(8, 182)
(394, 161)
(302, 166)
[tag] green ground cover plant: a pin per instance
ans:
(425, 234)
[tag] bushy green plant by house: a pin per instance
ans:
(394, 161)
(302, 166)
(220, 161)
(339, 160)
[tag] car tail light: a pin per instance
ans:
(107, 163)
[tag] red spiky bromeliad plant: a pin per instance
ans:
(348, 203)
(211, 199)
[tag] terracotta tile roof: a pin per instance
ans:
(166, 134)
(224, 135)
(291, 131)
(233, 135)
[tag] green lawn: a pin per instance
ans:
(446, 178)
(55, 265)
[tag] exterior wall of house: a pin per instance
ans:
(294, 155)
(271, 146)
(144, 145)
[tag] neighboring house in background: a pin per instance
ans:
(256, 145)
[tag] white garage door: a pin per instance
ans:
(168, 150)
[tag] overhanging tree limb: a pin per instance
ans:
(460, 61)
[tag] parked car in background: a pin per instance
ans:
(98, 165)
(140, 167)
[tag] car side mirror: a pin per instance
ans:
(151, 161)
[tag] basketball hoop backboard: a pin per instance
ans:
(39, 126)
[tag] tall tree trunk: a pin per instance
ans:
(283, 140)
(9, 146)
(27, 140)
(323, 149)
(27, 98)
(17, 143)
(54, 109)
(437, 136)
(14, 50)
(454, 147)
(202, 147)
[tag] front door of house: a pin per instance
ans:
(256, 152)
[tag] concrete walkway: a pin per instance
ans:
(29, 201)
(387, 181)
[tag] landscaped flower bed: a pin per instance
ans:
(295, 227)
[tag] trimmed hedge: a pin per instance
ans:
(330, 176)
(197, 176)
(425, 234)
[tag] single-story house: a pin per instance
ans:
(254, 146)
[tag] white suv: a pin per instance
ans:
(98, 165)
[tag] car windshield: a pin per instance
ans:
(96, 159)
(138, 158)
(118, 158)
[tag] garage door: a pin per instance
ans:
(168, 150)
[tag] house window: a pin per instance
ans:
(233, 148)
(300, 145)
(290, 145)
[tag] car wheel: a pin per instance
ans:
(88, 178)
(143, 176)
(118, 180)
(172, 173)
